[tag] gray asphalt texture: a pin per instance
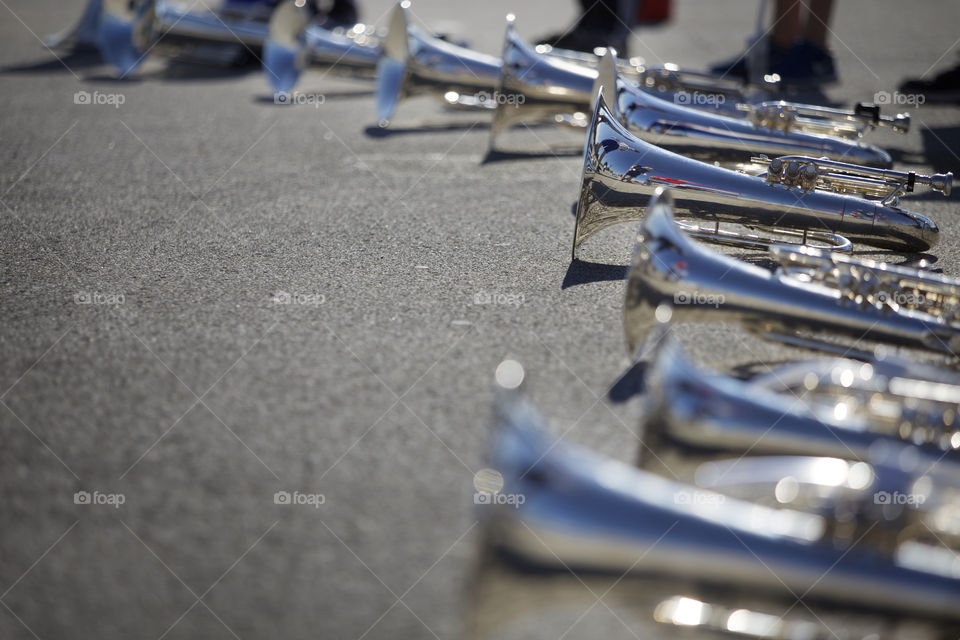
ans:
(184, 386)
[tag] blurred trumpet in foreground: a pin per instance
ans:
(796, 194)
(683, 556)
(674, 276)
(695, 414)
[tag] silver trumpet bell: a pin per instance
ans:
(698, 133)
(537, 88)
(83, 35)
(129, 31)
(672, 275)
(705, 414)
(416, 63)
(293, 42)
(622, 172)
(715, 565)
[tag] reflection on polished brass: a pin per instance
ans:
(622, 172)
(675, 554)
(673, 275)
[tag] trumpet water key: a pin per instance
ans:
(295, 41)
(695, 132)
(707, 560)
(621, 173)
(129, 31)
(670, 267)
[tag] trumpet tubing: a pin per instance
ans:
(695, 132)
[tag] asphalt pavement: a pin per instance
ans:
(208, 298)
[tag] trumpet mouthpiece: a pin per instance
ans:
(942, 182)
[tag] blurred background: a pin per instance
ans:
(210, 300)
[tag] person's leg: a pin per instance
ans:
(810, 52)
(818, 21)
(786, 22)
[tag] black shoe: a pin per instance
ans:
(586, 39)
(804, 65)
(944, 87)
(736, 68)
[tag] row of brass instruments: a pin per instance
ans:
(816, 499)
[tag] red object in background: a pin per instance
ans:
(653, 12)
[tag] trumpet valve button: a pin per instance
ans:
(792, 173)
(775, 170)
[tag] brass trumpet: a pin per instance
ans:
(622, 172)
(672, 275)
(692, 557)
(711, 136)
